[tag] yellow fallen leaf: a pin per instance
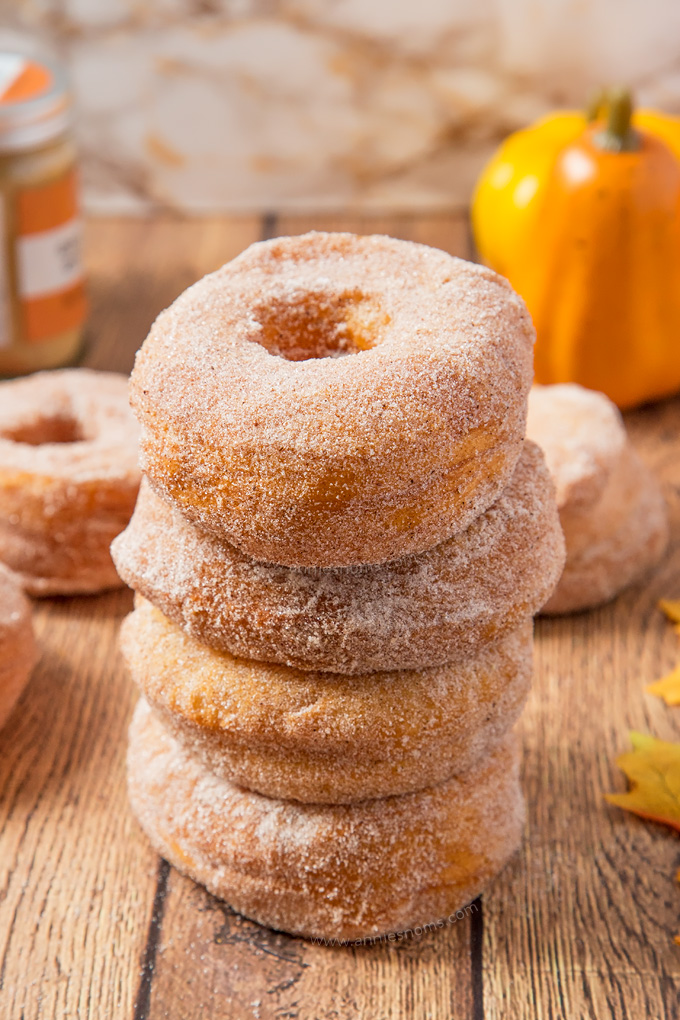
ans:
(668, 687)
(653, 770)
(671, 607)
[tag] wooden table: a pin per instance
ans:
(92, 924)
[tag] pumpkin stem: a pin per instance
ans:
(618, 134)
(596, 105)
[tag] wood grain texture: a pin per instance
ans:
(214, 964)
(76, 879)
(92, 924)
(584, 923)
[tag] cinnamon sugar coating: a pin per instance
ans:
(329, 400)
(18, 650)
(418, 612)
(611, 507)
(336, 871)
(69, 477)
(322, 737)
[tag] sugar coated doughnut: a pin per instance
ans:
(68, 478)
(328, 400)
(421, 611)
(322, 737)
(335, 871)
(18, 651)
(612, 510)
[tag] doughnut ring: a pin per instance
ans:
(329, 400)
(320, 737)
(418, 612)
(18, 650)
(68, 478)
(611, 507)
(324, 870)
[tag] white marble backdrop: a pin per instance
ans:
(205, 105)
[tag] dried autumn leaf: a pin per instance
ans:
(653, 770)
(671, 607)
(668, 687)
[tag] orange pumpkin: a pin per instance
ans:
(592, 243)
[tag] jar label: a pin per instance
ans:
(48, 259)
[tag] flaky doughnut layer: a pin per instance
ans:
(611, 507)
(18, 650)
(321, 737)
(329, 400)
(68, 478)
(418, 612)
(327, 870)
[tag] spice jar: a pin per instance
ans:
(42, 297)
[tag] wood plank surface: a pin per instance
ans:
(92, 924)
(584, 923)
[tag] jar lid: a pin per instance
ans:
(34, 101)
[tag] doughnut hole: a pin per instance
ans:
(319, 324)
(46, 429)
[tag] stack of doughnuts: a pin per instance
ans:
(338, 548)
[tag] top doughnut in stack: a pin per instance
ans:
(338, 550)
